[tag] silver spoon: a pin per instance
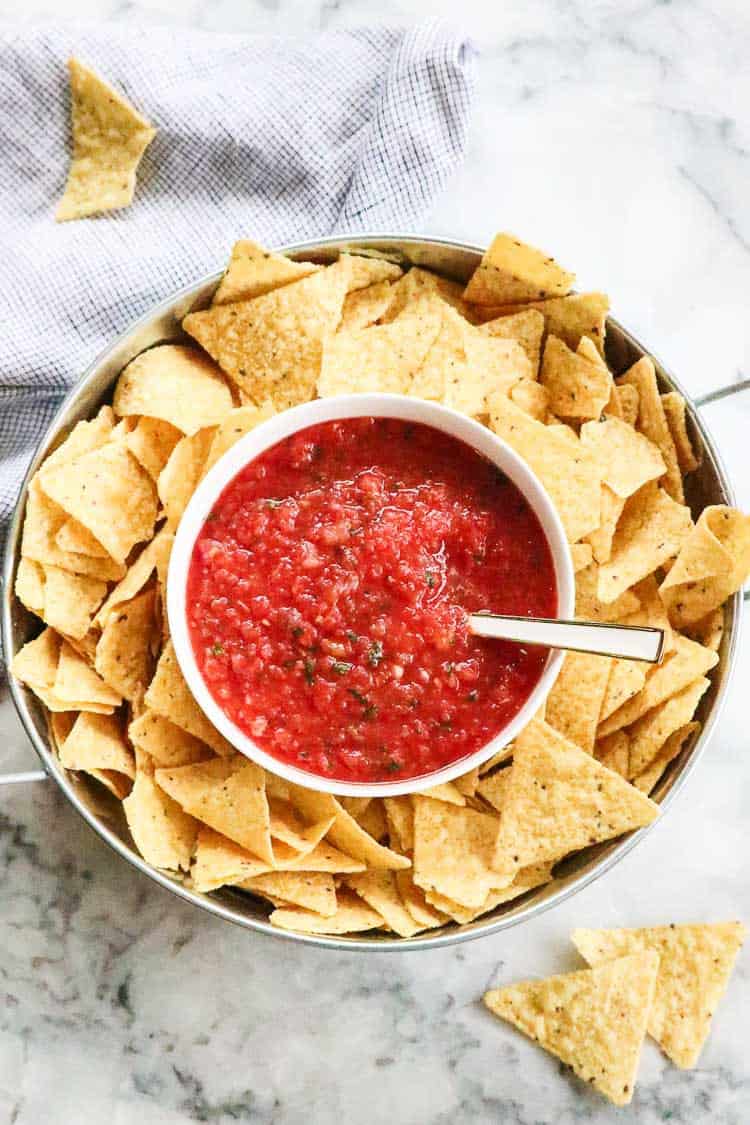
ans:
(626, 642)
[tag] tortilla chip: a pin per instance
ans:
(290, 829)
(42, 523)
(366, 270)
(652, 529)
(109, 139)
(151, 442)
(229, 795)
(253, 271)
(413, 898)
(649, 733)
(491, 366)
(74, 537)
(176, 384)
(695, 963)
(627, 459)
(154, 556)
(272, 346)
(416, 284)
(235, 425)
(648, 780)
(576, 387)
(601, 540)
(652, 422)
(85, 436)
(363, 307)
(355, 806)
(78, 683)
(494, 787)
(560, 799)
(614, 753)
(445, 792)
(323, 857)
(352, 916)
(385, 357)
(467, 782)
(651, 613)
(526, 880)
(593, 1020)
(709, 630)
(570, 318)
(531, 397)
(108, 492)
(713, 563)
(590, 608)
(399, 814)
(123, 655)
(29, 585)
(71, 600)
(373, 820)
(686, 663)
(525, 327)
(36, 663)
(162, 832)
(512, 271)
(169, 695)
(181, 475)
(165, 743)
(575, 702)
(219, 861)
(97, 742)
(453, 850)
(379, 890)
(581, 555)
(675, 412)
(628, 398)
(345, 834)
(567, 471)
(314, 891)
(626, 678)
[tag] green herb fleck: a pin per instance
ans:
(450, 668)
(309, 667)
(358, 696)
(341, 667)
(370, 712)
(393, 766)
(350, 636)
(431, 579)
(217, 650)
(473, 696)
(375, 655)
(446, 724)
(297, 631)
(274, 503)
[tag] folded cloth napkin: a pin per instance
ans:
(276, 139)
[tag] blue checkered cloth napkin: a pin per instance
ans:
(276, 139)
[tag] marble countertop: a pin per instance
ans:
(617, 134)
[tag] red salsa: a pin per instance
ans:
(327, 599)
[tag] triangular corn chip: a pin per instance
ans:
(577, 388)
(109, 139)
(512, 271)
(352, 915)
(560, 799)
(123, 654)
(177, 384)
(714, 562)
(575, 702)
(96, 742)
(162, 832)
(453, 850)
(652, 422)
(593, 1020)
(627, 459)
(169, 695)
(648, 734)
(272, 346)
(227, 794)
(253, 271)
(525, 327)
(651, 529)
(345, 834)
(695, 963)
(312, 890)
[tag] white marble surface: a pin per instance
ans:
(617, 134)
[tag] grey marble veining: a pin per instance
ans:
(616, 134)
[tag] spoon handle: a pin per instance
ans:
(626, 642)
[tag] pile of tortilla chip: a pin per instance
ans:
(664, 980)
(514, 349)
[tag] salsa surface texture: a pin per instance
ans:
(328, 591)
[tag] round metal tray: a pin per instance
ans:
(708, 485)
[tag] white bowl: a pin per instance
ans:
(326, 410)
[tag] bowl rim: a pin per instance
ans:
(184, 298)
(294, 420)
